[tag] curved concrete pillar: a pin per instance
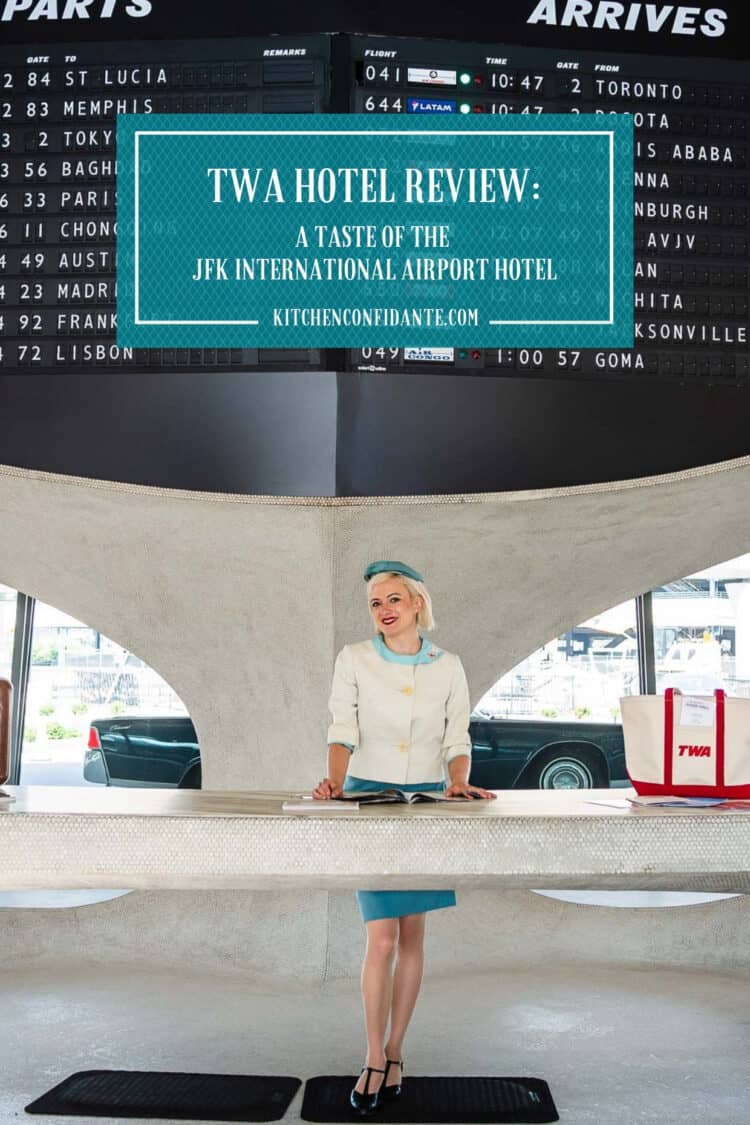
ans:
(240, 602)
(319, 935)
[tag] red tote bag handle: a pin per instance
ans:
(720, 728)
(719, 699)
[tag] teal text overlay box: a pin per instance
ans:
(339, 230)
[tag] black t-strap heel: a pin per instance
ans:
(389, 1093)
(364, 1102)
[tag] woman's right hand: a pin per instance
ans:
(326, 790)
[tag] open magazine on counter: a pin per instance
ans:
(303, 802)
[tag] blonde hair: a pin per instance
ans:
(425, 620)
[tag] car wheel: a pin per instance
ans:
(565, 769)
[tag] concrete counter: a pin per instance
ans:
(53, 837)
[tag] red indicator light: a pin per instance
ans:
(478, 109)
(476, 353)
(478, 80)
(94, 743)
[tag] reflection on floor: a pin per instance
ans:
(616, 1045)
(57, 900)
(625, 899)
(43, 900)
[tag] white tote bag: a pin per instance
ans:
(687, 746)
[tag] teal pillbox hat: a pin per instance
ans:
(388, 566)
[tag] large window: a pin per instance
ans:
(577, 677)
(78, 677)
(702, 630)
(554, 720)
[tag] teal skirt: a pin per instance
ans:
(393, 904)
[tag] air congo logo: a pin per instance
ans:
(72, 9)
(609, 15)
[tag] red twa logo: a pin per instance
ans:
(694, 751)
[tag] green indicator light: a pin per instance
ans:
(464, 108)
(463, 354)
(465, 79)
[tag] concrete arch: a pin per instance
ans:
(241, 602)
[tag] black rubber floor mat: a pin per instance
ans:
(437, 1100)
(145, 1093)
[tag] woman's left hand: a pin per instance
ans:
(470, 791)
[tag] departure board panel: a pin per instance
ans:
(691, 119)
(58, 110)
(58, 106)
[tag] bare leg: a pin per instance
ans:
(377, 984)
(406, 983)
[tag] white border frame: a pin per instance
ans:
(386, 133)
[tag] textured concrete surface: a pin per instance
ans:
(214, 839)
(616, 1046)
(318, 936)
(241, 603)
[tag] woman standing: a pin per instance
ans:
(400, 709)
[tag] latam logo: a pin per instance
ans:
(430, 105)
(73, 9)
(612, 16)
(688, 750)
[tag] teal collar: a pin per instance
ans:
(427, 654)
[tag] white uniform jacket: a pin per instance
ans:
(404, 718)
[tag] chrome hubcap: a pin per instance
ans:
(566, 773)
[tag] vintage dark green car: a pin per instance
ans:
(506, 753)
(158, 752)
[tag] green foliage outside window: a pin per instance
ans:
(57, 730)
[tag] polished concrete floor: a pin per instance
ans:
(617, 1046)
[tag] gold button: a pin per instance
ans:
(403, 745)
(408, 690)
